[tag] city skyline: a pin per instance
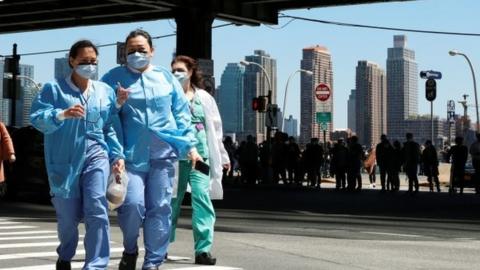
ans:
(284, 43)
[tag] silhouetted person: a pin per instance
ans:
(430, 164)
(265, 163)
(383, 153)
(411, 151)
(370, 166)
(355, 158)
(293, 160)
(313, 161)
(338, 166)
(248, 161)
(475, 153)
(230, 148)
(459, 156)
(279, 158)
(395, 166)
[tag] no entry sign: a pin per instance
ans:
(322, 92)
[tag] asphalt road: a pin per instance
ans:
(284, 228)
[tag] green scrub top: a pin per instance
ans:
(198, 123)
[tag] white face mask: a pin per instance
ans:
(182, 77)
(86, 71)
(138, 60)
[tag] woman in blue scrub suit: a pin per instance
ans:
(207, 126)
(154, 121)
(74, 114)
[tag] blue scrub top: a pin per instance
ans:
(66, 140)
(156, 106)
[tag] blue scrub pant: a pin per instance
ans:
(92, 207)
(148, 203)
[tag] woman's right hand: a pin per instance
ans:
(122, 95)
(76, 111)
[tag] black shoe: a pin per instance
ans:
(205, 258)
(128, 261)
(63, 265)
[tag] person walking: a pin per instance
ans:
(356, 155)
(7, 152)
(459, 156)
(207, 124)
(411, 153)
(475, 154)
(384, 154)
(371, 167)
(155, 123)
(430, 165)
(395, 166)
(338, 167)
(75, 116)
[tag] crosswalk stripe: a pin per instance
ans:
(206, 268)
(26, 232)
(28, 237)
(21, 245)
(46, 254)
(9, 222)
(16, 227)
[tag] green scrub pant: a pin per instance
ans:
(203, 214)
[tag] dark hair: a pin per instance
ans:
(409, 136)
(458, 140)
(192, 65)
(84, 43)
(139, 32)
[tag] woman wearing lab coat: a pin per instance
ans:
(207, 126)
(154, 120)
(74, 115)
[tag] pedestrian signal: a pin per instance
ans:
(259, 104)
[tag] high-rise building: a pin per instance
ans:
(318, 60)
(371, 118)
(62, 68)
(24, 98)
(256, 84)
(402, 87)
(27, 93)
(351, 111)
(230, 96)
(291, 126)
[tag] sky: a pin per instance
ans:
(347, 45)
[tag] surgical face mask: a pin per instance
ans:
(181, 76)
(86, 71)
(138, 60)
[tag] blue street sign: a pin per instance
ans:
(431, 74)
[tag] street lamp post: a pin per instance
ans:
(455, 52)
(269, 95)
(286, 89)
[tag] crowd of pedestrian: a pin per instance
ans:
(346, 160)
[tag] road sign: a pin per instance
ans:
(323, 117)
(323, 126)
(431, 74)
(451, 116)
(451, 106)
(430, 89)
(322, 92)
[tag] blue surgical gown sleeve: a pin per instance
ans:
(111, 136)
(43, 113)
(181, 113)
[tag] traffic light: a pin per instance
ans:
(11, 84)
(430, 89)
(260, 104)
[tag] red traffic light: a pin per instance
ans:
(259, 104)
